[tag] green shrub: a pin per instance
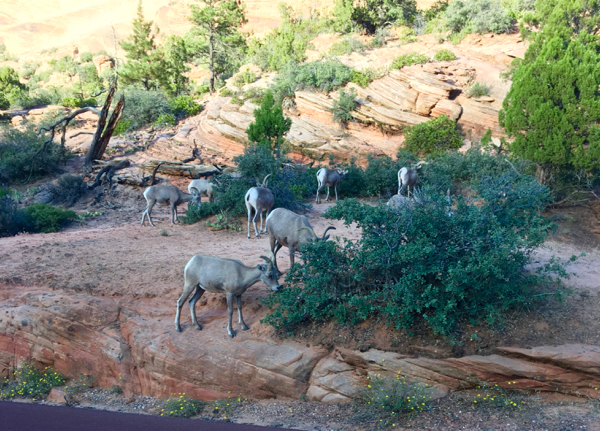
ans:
(122, 127)
(433, 137)
(481, 16)
(31, 383)
(444, 55)
(325, 75)
(354, 183)
(409, 59)
(11, 219)
(86, 57)
(165, 120)
(245, 77)
(393, 396)
(436, 9)
(29, 69)
(374, 14)
(407, 35)
(381, 176)
(380, 37)
(71, 102)
(182, 407)
(65, 64)
(424, 266)
(68, 189)
(4, 102)
(342, 16)
(144, 107)
(91, 102)
(343, 106)
(46, 218)
(347, 45)
(360, 78)
(18, 160)
(477, 90)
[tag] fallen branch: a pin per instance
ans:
(110, 171)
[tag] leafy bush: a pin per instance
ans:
(182, 407)
(360, 78)
(436, 9)
(374, 14)
(380, 37)
(91, 102)
(165, 120)
(122, 127)
(68, 189)
(71, 102)
(381, 176)
(184, 106)
(11, 219)
(18, 160)
(46, 218)
(406, 35)
(343, 106)
(342, 16)
(29, 69)
(346, 46)
(477, 90)
(444, 55)
(144, 107)
(11, 88)
(481, 16)
(354, 183)
(245, 77)
(395, 395)
(409, 59)
(433, 137)
(31, 383)
(86, 57)
(418, 265)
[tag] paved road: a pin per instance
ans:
(35, 417)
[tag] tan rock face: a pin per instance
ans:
(102, 62)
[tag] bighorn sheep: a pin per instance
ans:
(229, 276)
(329, 178)
(204, 188)
(167, 195)
(261, 199)
(290, 230)
(407, 177)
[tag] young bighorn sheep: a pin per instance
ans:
(204, 188)
(329, 178)
(407, 177)
(229, 276)
(167, 195)
(290, 230)
(261, 199)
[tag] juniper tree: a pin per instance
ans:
(145, 63)
(218, 40)
(269, 126)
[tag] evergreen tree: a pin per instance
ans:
(218, 40)
(176, 56)
(553, 107)
(269, 126)
(145, 63)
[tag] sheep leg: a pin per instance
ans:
(261, 223)
(335, 188)
(292, 255)
(174, 214)
(149, 212)
(187, 289)
(197, 295)
(230, 312)
(254, 223)
(318, 190)
(241, 319)
(144, 214)
(249, 216)
(327, 198)
(275, 247)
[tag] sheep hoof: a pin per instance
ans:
(199, 327)
(244, 327)
(258, 236)
(178, 329)
(231, 334)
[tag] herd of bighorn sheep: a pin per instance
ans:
(284, 227)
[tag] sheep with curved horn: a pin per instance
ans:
(260, 199)
(291, 230)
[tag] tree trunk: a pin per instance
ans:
(103, 135)
(211, 62)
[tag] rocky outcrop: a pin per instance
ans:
(131, 345)
(102, 62)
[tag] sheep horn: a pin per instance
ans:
(324, 238)
(268, 261)
(264, 183)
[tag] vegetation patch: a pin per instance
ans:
(409, 59)
(444, 55)
(433, 137)
(182, 407)
(29, 382)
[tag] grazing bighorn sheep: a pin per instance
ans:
(167, 195)
(229, 276)
(290, 230)
(204, 188)
(329, 178)
(407, 177)
(261, 199)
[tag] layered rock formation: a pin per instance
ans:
(133, 345)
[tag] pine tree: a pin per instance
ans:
(176, 56)
(553, 107)
(145, 64)
(216, 28)
(269, 126)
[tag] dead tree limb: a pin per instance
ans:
(110, 171)
(103, 134)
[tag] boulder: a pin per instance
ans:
(102, 62)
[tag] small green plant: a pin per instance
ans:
(46, 218)
(380, 37)
(406, 35)
(224, 408)
(164, 232)
(245, 77)
(115, 389)
(182, 407)
(361, 78)
(122, 127)
(165, 120)
(88, 214)
(508, 397)
(29, 382)
(409, 59)
(223, 223)
(346, 46)
(444, 55)
(226, 92)
(343, 106)
(85, 381)
(394, 396)
(184, 106)
(477, 90)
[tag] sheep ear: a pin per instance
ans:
(261, 267)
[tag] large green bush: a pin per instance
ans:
(433, 137)
(422, 265)
(381, 176)
(343, 106)
(374, 14)
(35, 218)
(18, 159)
(478, 16)
(409, 59)
(144, 107)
